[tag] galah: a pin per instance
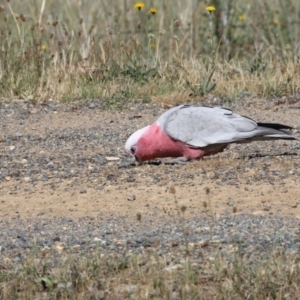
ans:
(191, 132)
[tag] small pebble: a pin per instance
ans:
(131, 198)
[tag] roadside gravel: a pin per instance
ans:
(67, 184)
(251, 236)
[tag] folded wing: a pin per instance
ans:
(199, 126)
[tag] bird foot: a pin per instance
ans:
(178, 160)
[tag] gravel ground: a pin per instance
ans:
(255, 235)
(66, 183)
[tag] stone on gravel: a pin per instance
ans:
(112, 158)
(131, 198)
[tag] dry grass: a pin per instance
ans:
(114, 51)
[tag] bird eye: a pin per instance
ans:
(132, 150)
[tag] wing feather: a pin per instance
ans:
(199, 126)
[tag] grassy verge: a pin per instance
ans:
(126, 51)
(152, 275)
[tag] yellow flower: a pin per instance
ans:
(43, 47)
(153, 11)
(242, 17)
(153, 46)
(139, 5)
(276, 22)
(210, 8)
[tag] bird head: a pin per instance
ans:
(131, 146)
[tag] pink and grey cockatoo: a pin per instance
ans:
(191, 132)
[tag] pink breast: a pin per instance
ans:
(155, 143)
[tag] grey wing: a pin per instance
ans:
(202, 126)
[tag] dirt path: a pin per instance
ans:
(58, 160)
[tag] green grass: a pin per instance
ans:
(121, 54)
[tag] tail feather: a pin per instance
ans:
(274, 126)
(273, 131)
(269, 131)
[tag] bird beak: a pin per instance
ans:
(138, 160)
